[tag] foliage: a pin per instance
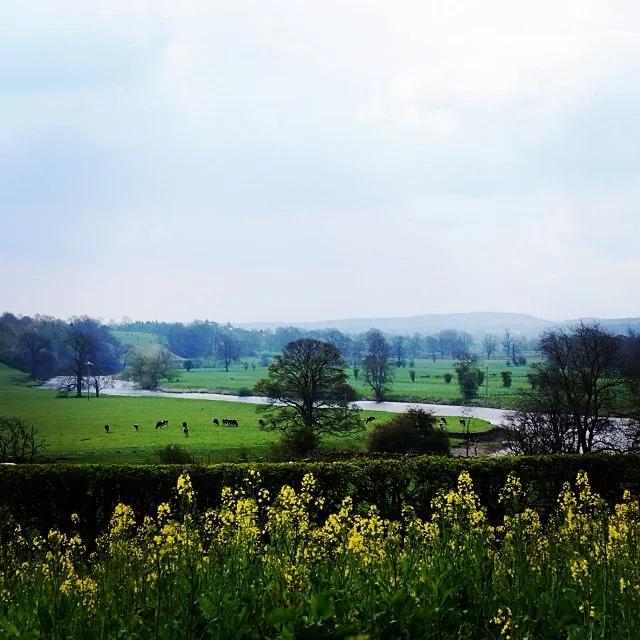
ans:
(147, 370)
(187, 364)
(447, 377)
(174, 454)
(469, 376)
(307, 387)
(506, 378)
(376, 365)
(294, 563)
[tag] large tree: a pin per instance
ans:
(376, 365)
(228, 347)
(576, 395)
(147, 370)
(307, 392)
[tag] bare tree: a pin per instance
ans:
(575, 399)
(507, 341)
(81, 345)
(19, 441)
(376, 365)
(35, 349)
(398, 349)
(489, 345)
(98, 383)
(228, 348)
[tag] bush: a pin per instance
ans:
(296, 442)
(188, 365)
(410, 432)
(506, 378)
(174, 454)
(412, 375)
(245, 392)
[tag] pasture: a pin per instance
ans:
(74, 427)
(429, 384)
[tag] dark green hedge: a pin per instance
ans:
(44, 496)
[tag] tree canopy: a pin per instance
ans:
(307, 389)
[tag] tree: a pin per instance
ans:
(81, 346)
(414, 431)
(489, 345)
(469, 376)
(376, 366)
(19, 441)
(98, 383)
(414, 345)
(576, 394)
(308, 393)
(187, 364)
(507, 342)
(147, 370)
(398, 350)
(228, 349)
(506, 378)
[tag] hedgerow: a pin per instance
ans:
(45, 496)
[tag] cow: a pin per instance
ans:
(136, 426)
(370, 419)
(159, 424)
(261, 423)
(106, 428)
(463, 422)
(165, 423)
(216, 422)
(185, 429)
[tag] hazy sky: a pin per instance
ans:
(300, 160)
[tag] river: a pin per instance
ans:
(124, 388)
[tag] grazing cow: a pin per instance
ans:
(370, 419)
(443, 420)
(136, 426)
(463, 422)
(159, 424)
(261, 423)
(165, 423)
(215, 421)
(184, 425)
(235, 423)
(185, 429)
(106, 428)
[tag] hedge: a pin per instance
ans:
(45, 496)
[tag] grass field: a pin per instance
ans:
(74, 428)
(429, 385)
(136, 338)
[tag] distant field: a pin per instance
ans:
(74, 427)
(429, 384)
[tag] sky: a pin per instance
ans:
(288, 160)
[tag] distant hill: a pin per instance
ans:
(427, 324)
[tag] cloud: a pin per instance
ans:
(441, 120)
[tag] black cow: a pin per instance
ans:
(159, 424)
(463, 422)
(261, 423)
(136, 426)
(215, 421)
(165, 423)
(370, 419)
(106, 428)
(185, 429)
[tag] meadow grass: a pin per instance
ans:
(429, 384)
(135, 338)
(74, 427)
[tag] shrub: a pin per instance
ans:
(188, 365)
(174, 454)
(411, 432)
(245, 392)
(506, 378)
(412, 375)
(296, 442)
(19, 441)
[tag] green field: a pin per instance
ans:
(429, 385)
(136, 338)
(74, 427)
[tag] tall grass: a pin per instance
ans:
(288, 566)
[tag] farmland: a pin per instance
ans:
(429, 384)
(74, 428)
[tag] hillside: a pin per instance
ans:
(426, 324)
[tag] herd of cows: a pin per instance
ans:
(226, 422)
